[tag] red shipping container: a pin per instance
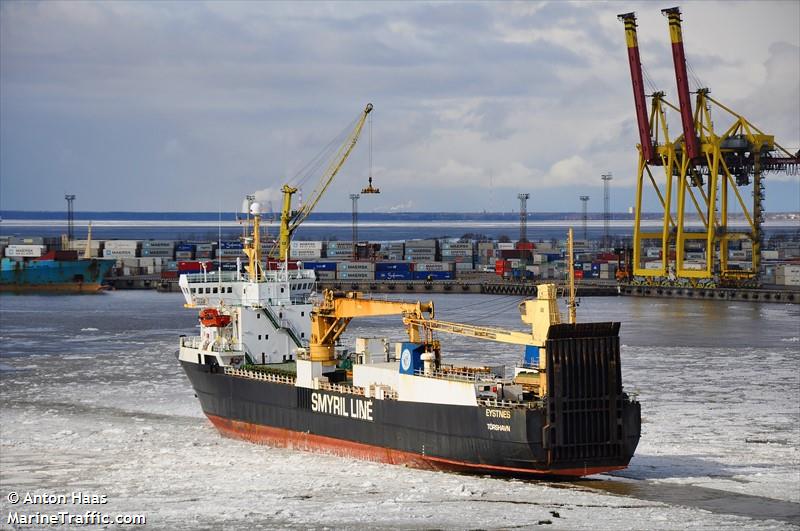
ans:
(579, 273)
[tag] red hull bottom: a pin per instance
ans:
(283, 438)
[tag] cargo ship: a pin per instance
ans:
(54, 271)
(268, 367)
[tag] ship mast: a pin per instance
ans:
(571, 268)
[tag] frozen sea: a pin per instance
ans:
(93, 400)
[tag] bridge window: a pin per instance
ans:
(259, 337)
(215, 290)
(302, 314)
(230, 289)
(258, 316)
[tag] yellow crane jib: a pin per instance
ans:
(290, 220)
(330, 318)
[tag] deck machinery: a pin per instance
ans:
(708, 167)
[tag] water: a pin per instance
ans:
(372, 226)
(93, 400)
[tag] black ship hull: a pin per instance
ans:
(576, 433)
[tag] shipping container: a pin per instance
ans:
(121, 244)
(325, 275)
(24, 250)
(119, 253)
(320, 266)
(25, 240)
(158, 244)
(355, 266)
(187, 255)
(231, 245)
(394, 275)
(432, 266)
(433, 275)
(393, 266)
(355, 275)
(307, 245)
(184, 247)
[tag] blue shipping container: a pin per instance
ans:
(320, 266)
(433, 275)
(184, 247)
(394, 275)
(393, 266)
(231, 245)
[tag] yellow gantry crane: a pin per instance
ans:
(706, 167)
(291, 220)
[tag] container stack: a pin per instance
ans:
(339, 250)
(121, 249)
(485, 254)
(203, 251)
(787, 275)
(302, 250)
(355, 271)
(421, 250)
(393, 251)
(434, 271)
(324, 270)
(80, 247)
(229, 251)
(159, 249)
(185, 251)
(460, 253)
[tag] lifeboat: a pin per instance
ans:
(212, 317)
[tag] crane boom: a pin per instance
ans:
(478, 332)
(291, 220)
(673, 15)
(635, 62)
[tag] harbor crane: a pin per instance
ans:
(708, 165)
(291, 219)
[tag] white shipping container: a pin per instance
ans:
(355, 275)
(653, 252)
(230, 253)
(121, 244)
(653, 265)
(420, 243)
(355, 266)
(505, 246)
(160, 244)
(433, 266)
(769, 255)
(464, 266)
(691, 265)
(326, 275)
(204, 247)
(306, 245)
(25, 250)
(119, 253)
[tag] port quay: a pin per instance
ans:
(444, 265)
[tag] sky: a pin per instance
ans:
(189, 106)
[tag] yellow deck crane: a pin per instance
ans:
(330, 318)
(291, 220)
(540, 313)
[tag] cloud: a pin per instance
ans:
(205, 101)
